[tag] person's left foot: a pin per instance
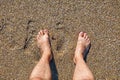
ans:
(43, 43)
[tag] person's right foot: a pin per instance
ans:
(82, 44)
(44, 44)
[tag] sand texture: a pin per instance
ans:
(20, 21)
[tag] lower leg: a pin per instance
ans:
(82, 72)
(42, 69)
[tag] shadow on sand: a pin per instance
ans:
(86, 52)
(53, 69)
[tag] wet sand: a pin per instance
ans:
(20, 20)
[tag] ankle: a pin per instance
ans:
(78, 55)
(45, 58)
(46, 51)
(78, 59)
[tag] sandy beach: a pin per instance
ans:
(20, 21)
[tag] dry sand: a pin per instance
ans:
(20, 20)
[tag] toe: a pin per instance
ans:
(81, 34)
(85, 34)
(41, 32)
(86, 37)
(46, 31)
(37, 36)
(88, 40)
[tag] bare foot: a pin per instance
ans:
(43, 43)
(82, 44)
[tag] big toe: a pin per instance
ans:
(46, 32)
(81, 34)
